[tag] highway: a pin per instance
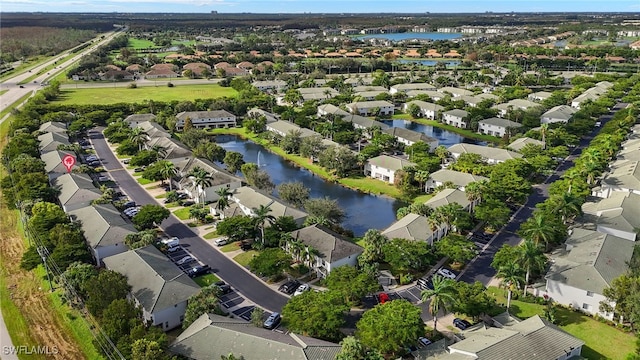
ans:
(225, 268)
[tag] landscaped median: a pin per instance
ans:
(602, 341)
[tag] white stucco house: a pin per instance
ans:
(219, 179)
(365, 108)
(427, 110)
(247, 199)
(497, 126)
(459, 179)
(489, 154)
(624, 178)
(158, 285)
(384, 167)
(206, 119)
(455, 117)
(560, 113)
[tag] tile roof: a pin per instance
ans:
(53, 161)
(519, 143)
(53, 126)
(411, 227)
(51, 140)
(457, 113)
(627, 176)
(252, 198)
(620, 211)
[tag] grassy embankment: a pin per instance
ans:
(602, 341)
(464, 132)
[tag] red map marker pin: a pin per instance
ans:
(68, 161)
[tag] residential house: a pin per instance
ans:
(158, 285)
(497, 127)
(584, 267)
(369, 95)
(331, 250)
(50, 141)
(161, 73)
(455, 92)
(618, 214)
(153, 130)
(359, 81)
(511, 338)
(560, 113)
(432, 94)
(246, 341)
(114, 75)
(330, 109)
(412, 86)
(248, 199)
(53, 165)
(206, 119)
(455, 117)
(135, 119)
(410, 137)
(361, 122)
(384, 167)
(474, 101)
(489, 154)
(270, 85)
(585, 96)
(219, 179)
(197, 68)
(519, 143)
(624, 178)
(75, 191)
(170, 149)
(53, 127)
(365, 108)
(283, 128)
(427, 110)
(458, 178)
(515, 104)
(104, 228)
(451, 196)
(539, 96)
(413, 227)
(319, 93)
(363, 88)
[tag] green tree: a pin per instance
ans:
(493, 212)
(325, 207)
(257, 317)
(262, 218)
(290, 143)
(138, 137)
(540, 228)
(457, 248)
(311, 146)
(353, 349)
(149, 216)
(623, 299)
(202, 180)
(233, 160)
(373, 243)
(204, 302)
(293, 192)
(144, 158)
(257, 178)
(77, 275)
(390, 327)
(316, 314)
(406, 256)
(103, 289)
(224, 194)
(351, 283)
(531, 258)
(209, 150)
(119, 318)
(442, 296)
(168, 170)
(339, 159)
(512, 276)
(473, 299)
(237, 227)
(270, 262)
(143, 349)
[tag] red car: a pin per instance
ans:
(383, 298)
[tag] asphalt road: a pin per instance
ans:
(480, 268)
(225, 268)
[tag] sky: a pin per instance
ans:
(320, 6)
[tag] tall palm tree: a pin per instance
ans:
(474, 191)
(544, 130)
(296, 248)
(568, 206)
(262, 216)
(223, 198)
(442, 296)
(160, 150)
(442, 153)
(168, 171)
(512, 277)
(530, 258)
(538, 229)
(138, 136)
(202, 179)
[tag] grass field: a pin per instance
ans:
(3, 91)
(210, 235)
(182, 214)
(244, 258)
(601, 340)
(138, 44)
(103, 96)
(231, 247)
(206, 280)
(370, 185)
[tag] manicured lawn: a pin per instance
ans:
(231, 247)
(182, 214)
(601, 340)
(171, 205)
(3, 91)
(422, 198)
(141, 43)
(370, 185)
(244, 258)
(161, 196)
(206, 280)
(210, 235)
(102, 96)
(144, 181)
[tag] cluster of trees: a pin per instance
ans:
(23, 42)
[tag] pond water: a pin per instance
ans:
(413, 35)
(363, 211)
(445, 137)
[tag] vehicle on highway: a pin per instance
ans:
(301, 289)
(461, 323)
(198, 270)
(272, 321)
(446, 273)
(221, 241)
(185, 260)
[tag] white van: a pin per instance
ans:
(172, 242)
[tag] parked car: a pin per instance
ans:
(461, 323)
(301, 289)
(91, 158)
(424, 341)
(186, 202)
(224, 287)
(174, 241)
(133, 213)
(126, 161)
(425, 283)
(185, 260)
(130, 210)
(245, 245)
(198, 270)
(221, 241)
(383, 298)
(289, 287)
(174, 248)
(103, 178)
(272, 321)
(446, 273)
(129, 204)
(138, 170)
(94, 163)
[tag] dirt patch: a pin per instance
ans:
(45, 326)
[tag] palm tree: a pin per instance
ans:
(442, 296)
(474, 191)
(544, 130)
(442, 153)
(262, 216)
(295, 247)
(223, 198)
(160, 150)
(168, 171)
(138, 136)
(512, 277)
(568, 206)
(202, 179)
(530, 258)
(538, 229)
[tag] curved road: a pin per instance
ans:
(227, 269)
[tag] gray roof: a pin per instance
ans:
(404, 133)
(53, 161)
(260, 112)
(423, 105)
(457, 113)
(364, 121)
(540, 95)
(369, 94)
(50, 141)
(517, 104)
(620, 211)
(563, 112)
(458, 178)
(456, 91)
(269, 83)
(76, 190)
(534, 338)
(212, 336)
(219, 175)
(252, 198)
(484, 151)
(285, 127)
(519, 143)
(156, 282)
(102, 225)
(390, 162)
(430, 93)
(500, 122)
(174, 148)
(332, 109)
(627, 176)
(411, 227)
(53, 126)
(449, 196)
(140, 118)
(330, 245)
(153, 129)
(591, 260)
(364, 88)
(414, 86)
(369, 104)
(203, 114)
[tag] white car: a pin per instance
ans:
(103, 178)
(185, 260)
(221, 241)
(301, 289)
(91, 158)
(446, 273)
(424, 341)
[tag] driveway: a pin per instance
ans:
(228, 270)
